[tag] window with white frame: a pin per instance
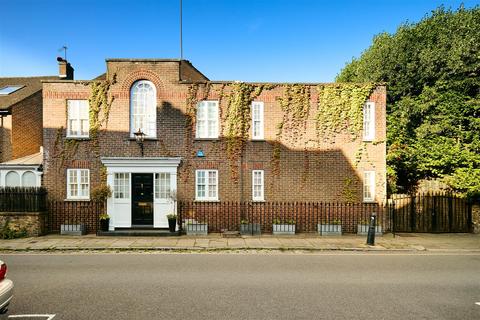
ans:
(121, 186)
(207, 119)
(78, 124)
(206, 182)
(369, 121)
(257, 120)
(257, 185)
(12, 179)
(78, 184)
(369, 186)
(143, 109)
(162, 185)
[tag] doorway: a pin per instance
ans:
(142, 199)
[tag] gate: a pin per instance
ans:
(440, 212)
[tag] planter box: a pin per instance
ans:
(197, 229)
(362, 229)
(330, 229)
(73, 229)
(280, 229)
(250, 228)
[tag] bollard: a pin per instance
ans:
(371, 229)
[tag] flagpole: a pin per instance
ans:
(181, 41)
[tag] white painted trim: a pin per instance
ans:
(78, 170)
(147, 114)
(206, 136)
(262, 198)
(77, 117)
(120, 209)
(21, 171)
(371, 174)
(206, 198)
(371, 128)
(261, 135)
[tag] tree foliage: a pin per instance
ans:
(432, 71)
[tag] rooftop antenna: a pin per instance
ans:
(64, 48)
(181, 41)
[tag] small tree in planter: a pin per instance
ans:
(100, 194)
(330, 228)
(283, 226)
(247, 227)
(172, 222)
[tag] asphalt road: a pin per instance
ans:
(246, 286)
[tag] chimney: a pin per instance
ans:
(65, 70)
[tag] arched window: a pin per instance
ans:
(143, 108)
(29, 179)
(12, 179)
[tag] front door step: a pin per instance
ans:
(139, 232)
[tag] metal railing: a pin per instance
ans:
(264, 217)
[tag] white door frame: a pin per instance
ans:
(119, 210)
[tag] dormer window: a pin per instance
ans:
(143, 109)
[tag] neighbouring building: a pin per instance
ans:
(21, 128)
(158, 130)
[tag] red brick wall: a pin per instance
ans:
(309, 171)
(21, 132)
(5, 138)
(27, 126)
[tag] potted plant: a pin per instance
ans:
(104, 221)
(364, 224)
(330, 228)
(172, 222)
(247, 228)
(283, 226)
(100, 194)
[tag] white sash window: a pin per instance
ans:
(257, 120)
(369, 186)
(78, 184)
(369, 121)
(207, 120)
(257, 185)
(78, 124)
(206, 182)
(143, 109)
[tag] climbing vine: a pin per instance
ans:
(99, 111)
(295, 104)
(340, 109)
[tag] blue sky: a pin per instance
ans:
(247, 40)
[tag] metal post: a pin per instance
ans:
(371, 229)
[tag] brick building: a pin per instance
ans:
(21, 127)
(205, 141)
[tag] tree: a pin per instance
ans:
(432, 71)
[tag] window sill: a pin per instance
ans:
(368, 139)
(145, 139)
(258, 140)
(202, 200)
(76, 200)
(207, 139)
(369, 201)
(78, 138)
(259, 201)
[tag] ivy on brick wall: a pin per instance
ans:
(340, 109)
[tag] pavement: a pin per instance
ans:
(215, 242)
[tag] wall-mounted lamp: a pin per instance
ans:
(140, 137)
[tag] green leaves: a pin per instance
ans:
(432, 71)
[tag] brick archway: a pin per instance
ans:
(141, 75)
